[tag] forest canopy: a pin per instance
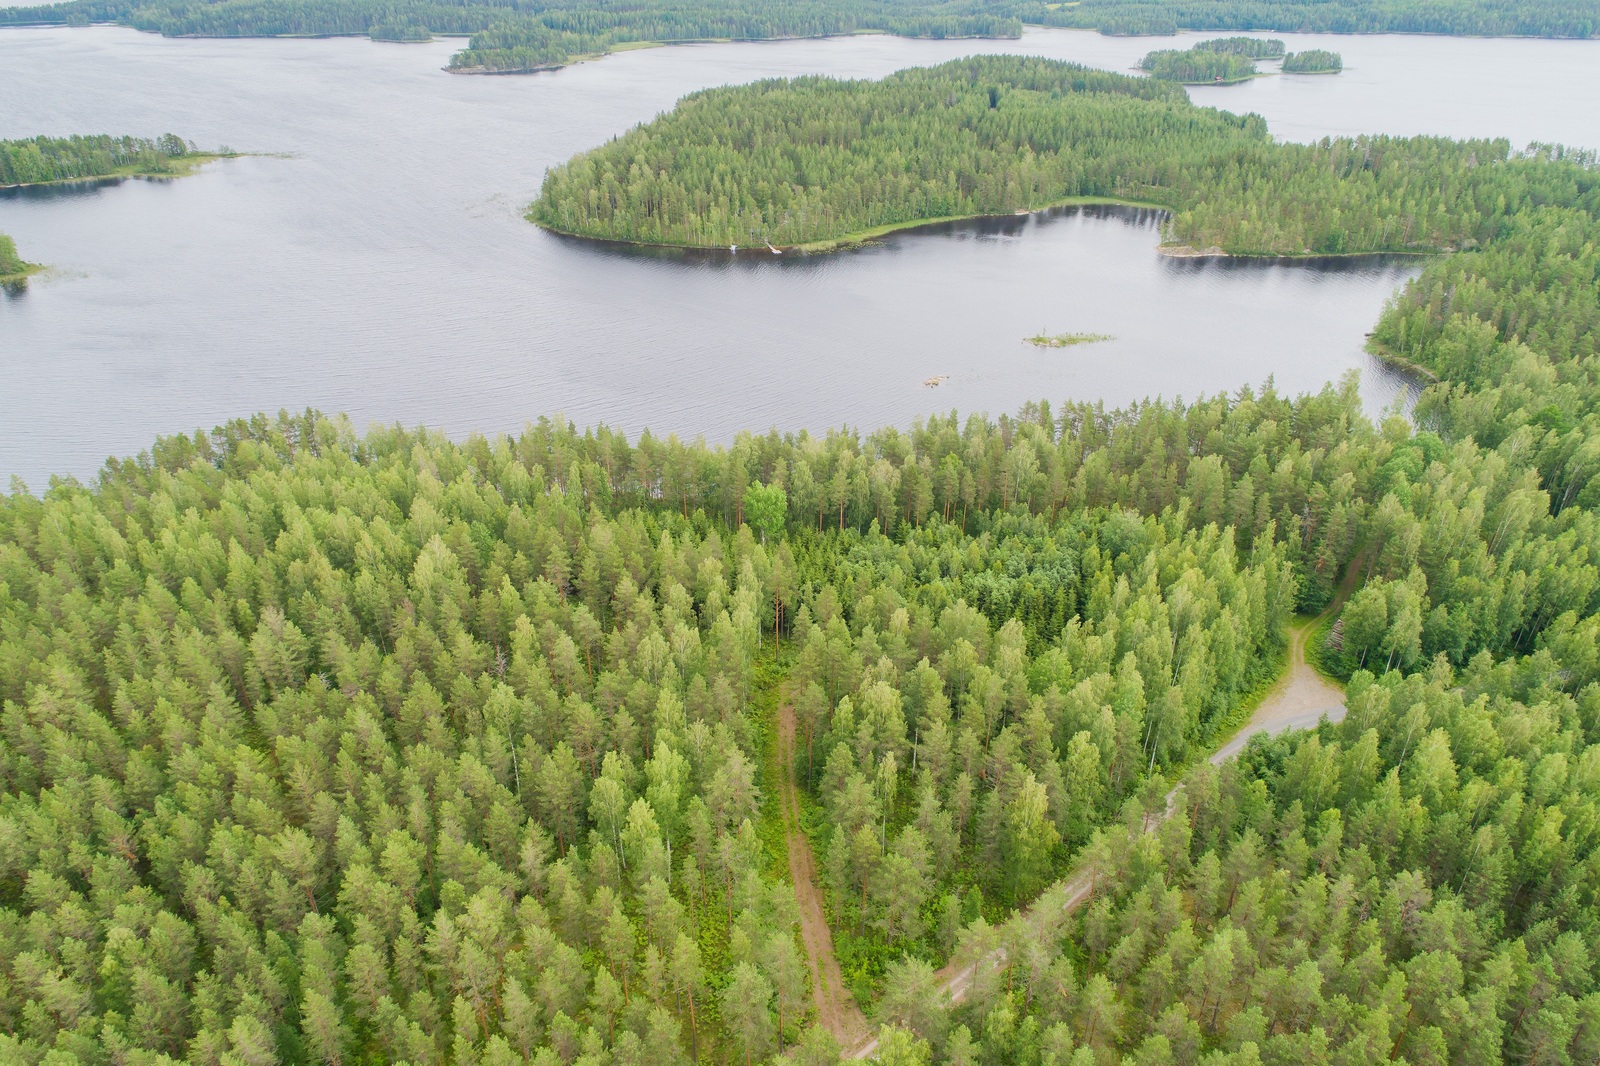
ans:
(524, 35)
(817, 159)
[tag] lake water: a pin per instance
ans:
(378, 263)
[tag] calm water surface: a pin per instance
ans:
(378, 264)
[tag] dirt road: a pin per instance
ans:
(1299, 700)
(836, 1009)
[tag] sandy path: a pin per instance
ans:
(1299, 700)
(836, 1009)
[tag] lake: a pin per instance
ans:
(376, 261)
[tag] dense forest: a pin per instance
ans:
(329, 748)
(42, 159)
(530, 35)
(1198, 65)
(339, 748)
(816, 159)
(1313, 61)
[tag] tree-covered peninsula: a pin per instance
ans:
(1313, 61)
(523, 36)
(817, 160)
(39, 160)
(1198, 66)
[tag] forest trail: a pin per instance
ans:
(836, 1009)
(1302, 696)
(1299, 700)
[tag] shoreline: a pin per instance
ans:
(860, 237)
(1185, 251)
(1384, 354)
(865, 237)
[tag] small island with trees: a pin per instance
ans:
(1313, 61)
(47, 160)
(1198, 66)
(1249, 47)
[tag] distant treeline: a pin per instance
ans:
(1313, 61)
(1485, 18)
(40, 159)
(817, 159)
(521, 35)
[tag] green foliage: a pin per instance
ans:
(816, 159)
(766, 508)
(1066, 340)
(1198, 66)
(1415, 881)
(1313, 61)
(41, 159)
(11, 263)
(1253, 47)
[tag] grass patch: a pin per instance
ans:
(1066, 340)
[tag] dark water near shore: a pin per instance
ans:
(379, 265)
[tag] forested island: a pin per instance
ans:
(817, 162)
(1313, 61)
(1198, 66)
(1251, 47)
(41, 160)
(327, 748)
(525, 37)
